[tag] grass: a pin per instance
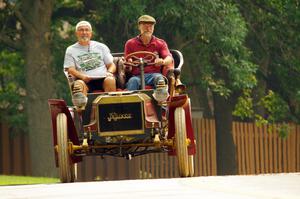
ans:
(24, 180)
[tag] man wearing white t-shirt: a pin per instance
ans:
(89, 62)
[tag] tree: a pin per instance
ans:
(274, 39)
(228, 71)
(12, 92)
(32, 37)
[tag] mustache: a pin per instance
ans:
(84, 38)
(146, 32)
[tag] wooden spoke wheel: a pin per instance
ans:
(191, 165)
(67, 169)
(181, 142)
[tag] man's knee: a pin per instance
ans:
(134, 80)
(110, 80)
(133, 83)
(79, 86)
(109, 84)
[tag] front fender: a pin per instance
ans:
(57, 106)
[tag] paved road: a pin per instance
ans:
(275, 186)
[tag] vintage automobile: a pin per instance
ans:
(126, 123)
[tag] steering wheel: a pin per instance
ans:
(147, 57)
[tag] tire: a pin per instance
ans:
(191, 165)
(180, 142)
(66, 167)
(73, 170)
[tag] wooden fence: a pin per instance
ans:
(14, 152)
(258, 151)
(261, 150)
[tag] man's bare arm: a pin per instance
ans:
(111, 68)
(166, 61)
(78, 74)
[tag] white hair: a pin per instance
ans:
(83, 23)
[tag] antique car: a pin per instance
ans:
(126, 123)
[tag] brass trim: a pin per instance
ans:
(121, 99)
(168, 143)
(115, 133)
(107, 99)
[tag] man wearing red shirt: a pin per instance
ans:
(147, 42)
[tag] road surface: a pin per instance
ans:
(276, 186)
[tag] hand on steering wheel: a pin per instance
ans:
(133, 59)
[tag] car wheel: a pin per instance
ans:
(181, 142)
(191, 165)
(66, 167)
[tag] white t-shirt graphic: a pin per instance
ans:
(90, 60)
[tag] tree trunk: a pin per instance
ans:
(39, 84)
(226, 152)
(260, 89)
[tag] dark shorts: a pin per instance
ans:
(95, 85)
